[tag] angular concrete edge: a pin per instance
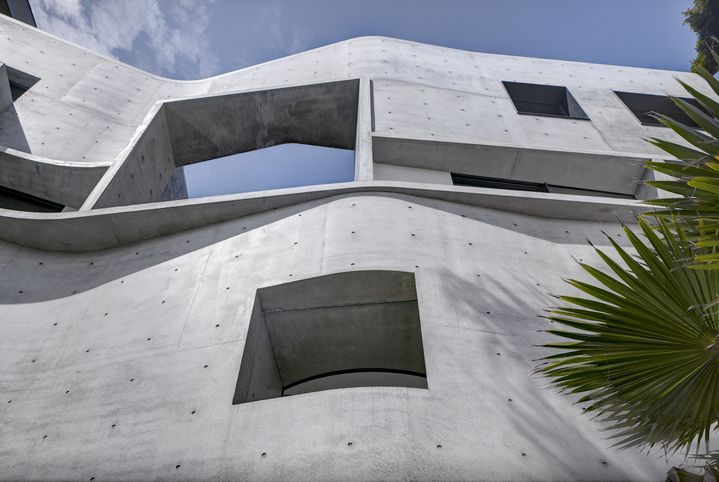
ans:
(611, 172)
(111, 227)
(363, 144)
(67, 183)
(134, 151)
(179, 132)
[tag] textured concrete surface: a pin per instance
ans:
(148, 314)
(124, 325)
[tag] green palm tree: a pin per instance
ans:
(696, 174)
(640, 343)
(641, 347)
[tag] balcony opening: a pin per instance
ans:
(217, 128)
(642, 105)
(344, 330)
(545, 100)
(277, 167)
(516, 185)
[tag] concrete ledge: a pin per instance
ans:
(67, 183)
(117, 226)
(612, 172)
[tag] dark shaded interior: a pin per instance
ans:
(20, 201)
(358, 328)
(513, 184)
(642, 105)
(20, 82)
(548, 100)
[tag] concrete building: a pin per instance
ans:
(384, 328)
(19, 9)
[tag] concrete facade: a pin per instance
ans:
(125, 318)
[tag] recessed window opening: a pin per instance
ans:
(344, 330)
(512, 184)
(277, 167)
(545, 100)
(16, 90)
(642, 105)
(20, 201)
(20, 82)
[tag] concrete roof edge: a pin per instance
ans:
(353, 39)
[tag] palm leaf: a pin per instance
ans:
(640, 344)
(695, 175)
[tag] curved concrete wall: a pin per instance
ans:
(141, 336)
(124, 325)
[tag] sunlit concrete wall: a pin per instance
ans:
(123, 328)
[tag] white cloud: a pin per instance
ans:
(286, 38)
(160, 36)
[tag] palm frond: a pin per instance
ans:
(695, 174)
(640, 343)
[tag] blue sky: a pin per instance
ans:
(189, 39)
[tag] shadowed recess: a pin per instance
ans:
(351, 329)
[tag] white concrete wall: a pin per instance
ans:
(86, 108)
(389, 172)
(482, 278)
(119, 360)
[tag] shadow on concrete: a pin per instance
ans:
(36, 275)
(536, 418)
(563, 231)
(11, 130)
(29, 275)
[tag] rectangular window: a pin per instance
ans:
(546, 100)
(515, 185)
(642, 104)
(497, 183)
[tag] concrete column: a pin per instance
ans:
(363, 143)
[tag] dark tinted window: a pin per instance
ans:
(19, 201)
(549, 100)
(515, 185)
(642, 104)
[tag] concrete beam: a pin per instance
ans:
(111, 227)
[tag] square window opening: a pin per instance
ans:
(344, 330)
(544, 100)
(642, 105)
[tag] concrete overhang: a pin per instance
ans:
(600, 171)
(65, 182)
(117, 226)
